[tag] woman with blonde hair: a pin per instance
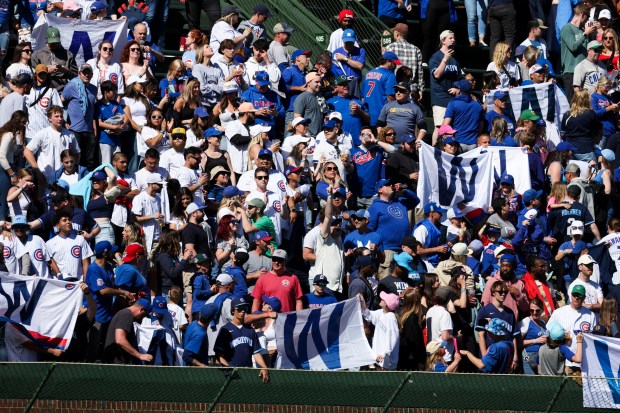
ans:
(186, 104)
(225, 28)
(500, 135)
(260, 140)
(170, 86)
(210, 76)
(508, 71)
(611, 50)
(581, 126)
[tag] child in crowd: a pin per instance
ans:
(435, 351)
(555, 351)
(386, 340)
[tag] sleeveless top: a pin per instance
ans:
(599, 176)
(100, 208)
(213, 162)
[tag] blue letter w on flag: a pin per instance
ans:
(602, 353)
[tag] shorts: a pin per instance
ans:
(188, 278)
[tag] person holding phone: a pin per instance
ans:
(60, 62)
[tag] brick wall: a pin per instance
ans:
(61, 406)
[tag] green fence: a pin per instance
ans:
(383, 390)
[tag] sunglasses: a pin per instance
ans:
(27, 51)
(134, 49)
(178, 137)
(577, 296)
(534, 311)
(608, 38)
(234, 221)
(157, 117)
(331, 168)
(390, 134)
(277, 260)
(502, 292)
(321, 284)
(262, 178)
(108, 49)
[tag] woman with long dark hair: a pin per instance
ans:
(11, 133)
(23, 198)
(169, 266)
(136, 107)
(154, 134)
(178, 218)
(21, 61)
(411, 354)
(133, 62)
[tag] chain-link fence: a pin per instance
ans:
(383, 390)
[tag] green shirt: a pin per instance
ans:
(264, 223)
(573, 47)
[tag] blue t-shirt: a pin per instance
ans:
(97, 279)
(195, 344)
(489, 311)
(311, 300)
(367, 170)
(358, 55)
(440, 367)
(78, 121)
(390, 219)
(507, 141)
(466, 115)
(105, 111)
(533, 332)
(357, 240)
(440, 87)
(608, 119)
(499, 358)
(378, 84)
(292, 76)
(237, 345)
(350, 124)
(130, 278)
(166, 86)
(490, 117)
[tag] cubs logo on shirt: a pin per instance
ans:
(44, 102)
(76, 251)
(114, 77)
(100, 282)
(395, 211)
(584, 327)
(286, 283)
(7, 252)
(70, 286)
(282, 186)
(38, 254)
(277, 206)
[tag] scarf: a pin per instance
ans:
(532, 291)
(81, 90)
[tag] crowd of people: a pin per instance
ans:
(255, 178)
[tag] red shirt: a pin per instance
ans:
(286, 287)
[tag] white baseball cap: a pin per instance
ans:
(586, 259)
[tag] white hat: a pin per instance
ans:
(224, 279)
(604, 14)
(256, 129)
(297, 121)
(499, 250)
(230, 86)
(193, 207)
(586, 259)
(135, 79)
(576, 228)
(154, 179)
(460, 249)
(335, 115)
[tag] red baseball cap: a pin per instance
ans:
(344, 14)
(132, 251)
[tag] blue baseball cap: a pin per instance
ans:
(463, 85)
(160, 305)
(292, 170)
(98, 6)
(19, 220)
(493, 228)
(407, 138)
(208, 311)
(530, 195)
(104, 246)
(98, 175)
(273, 302)
(145, 303)
(261, 236)
(300, 52)
(566, 146)
(266, 153)
(381, 183)
(231, 191)
(262, 79)
(239, 302)
(349, 36)
(509, 258)
(433, 207)
(201, 112)
(520, 50)
(63, 184)
(330, 124)
(507, 179)
(361, 213)
(403, 259)
(499, 95)
(450, 140)
(212, 132)
(541, 122)
(391, 56)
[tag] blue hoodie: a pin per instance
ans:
(390, 218)
(265, 100)
(466, 115)
(241, 286)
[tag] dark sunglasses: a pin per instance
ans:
(321, 284)
(390, 134)
(108, 49)
(134, 49)
(178, 137)
(502, 292)
(157, 117)
(277, 260)
(27, 50)
(578, 296)
(234, 221)
(331, 168)
(262, 177)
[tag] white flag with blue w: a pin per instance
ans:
(327, 338)
(545, 99)
(601, 372)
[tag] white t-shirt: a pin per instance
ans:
(542, 46)
(68, 253)
(16, 69)
(587, 74)
(188, 177)
(594, 292)
(220, 32)
(329, 261)
(179, 319)
(437, 320)
(238, 153)
(277, 182)
(386, 339)
(512, 70)
(172, 160)
(148, 133)
(37, 114)
(146, 205)
(39, 256)
(47, 144)
(311, 238)
(143, 174)
(13, 251)
(113, 72)
(574, 321)
(137, 109)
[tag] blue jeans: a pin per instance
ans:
(5, 185)
(475, 9)
(530, 362)
(4, 41)
(157, 18)
(586, 157)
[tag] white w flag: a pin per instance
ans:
(449, 180)
(545, 99)
(327, 338)
(511, 161)
(82, 37)
(43, 309)
(600, 370)
(160, 343)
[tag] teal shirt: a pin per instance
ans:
(573, 47)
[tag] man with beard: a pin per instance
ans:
(238, 134)
(516, 299)
(346, 20)
(172, 159)
(189, 177)
(344, 102)
(147, 210)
